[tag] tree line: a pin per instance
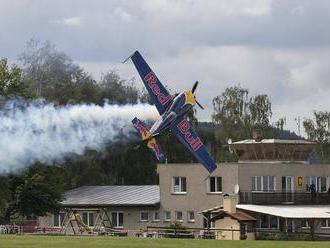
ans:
(52, 75)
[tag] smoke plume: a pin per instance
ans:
(41, 132)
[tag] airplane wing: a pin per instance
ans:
(187, 136)
(158, 93)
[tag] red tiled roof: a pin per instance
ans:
(239, 215)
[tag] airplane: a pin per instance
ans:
(172, 110)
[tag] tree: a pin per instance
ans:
(260, 112)
(11, 83)
(318, 130)
(54, 76)
(38, 192)
(240, 115)
(117, 90)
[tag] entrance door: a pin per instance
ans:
(288, 188)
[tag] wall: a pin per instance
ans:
(247, 170)
(132, 222)
(227, 223)
(197, 198)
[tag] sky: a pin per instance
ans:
(279, 48)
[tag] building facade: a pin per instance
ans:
(270, 173)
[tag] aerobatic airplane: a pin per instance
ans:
(172, 110)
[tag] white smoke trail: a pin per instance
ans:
(39, 131)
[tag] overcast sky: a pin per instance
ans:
(281, 48)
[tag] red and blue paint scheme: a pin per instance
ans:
(172, 111)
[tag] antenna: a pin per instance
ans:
(236, 189)
(298, 124)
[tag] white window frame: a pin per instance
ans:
(154, 217)
(306, 226)
(318, 187)
(217, 191)
(212, 223)
(178, 189)
(88, 218)
(262, 190)
(60, 220)
(327, 224)
(144, 212)
(117, 216)
(165, 216)
(268, 222)
(188, 217)
(176, 216)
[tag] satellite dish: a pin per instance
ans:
(236, 189)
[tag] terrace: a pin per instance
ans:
(271, 198)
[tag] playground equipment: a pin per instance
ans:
(72, 220)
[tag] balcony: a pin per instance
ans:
(273, 198)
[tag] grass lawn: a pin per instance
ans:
(11, 241)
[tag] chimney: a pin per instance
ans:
(229, 203)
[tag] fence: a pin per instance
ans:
(185, 232)
(10, 229)
(283, 197)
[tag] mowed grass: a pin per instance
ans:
(25, 241)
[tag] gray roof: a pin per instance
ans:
(274, 141)
(94, 196)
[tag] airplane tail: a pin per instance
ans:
(151, 141)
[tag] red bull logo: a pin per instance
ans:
(152, 144)
(195, 143)
(142, 129)
(151, 79)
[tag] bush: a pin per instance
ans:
(283, 236)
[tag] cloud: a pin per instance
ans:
(276, 47)
(71, 21)
(122, 14)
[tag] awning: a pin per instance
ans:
(291, 212)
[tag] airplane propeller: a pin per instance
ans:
(193, 90)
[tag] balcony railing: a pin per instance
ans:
(273, 198)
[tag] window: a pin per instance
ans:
(167, 216)
(117, 219)
(88, 218)
(215, 184)
(263, 183)
(191, 216)
(144, 216)
(207, 224)
(319, 182)
(268, 221)
(156, 216)
(325, 223)
(178, 216)
(179, 185)
(58, 219)
(304, 223)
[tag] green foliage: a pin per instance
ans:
(117, 90)
(240, 115)
(54, 76)
(284, 236)
(11, 83)
(35, 192)
(318, 130)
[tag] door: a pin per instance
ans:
(288, 189)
